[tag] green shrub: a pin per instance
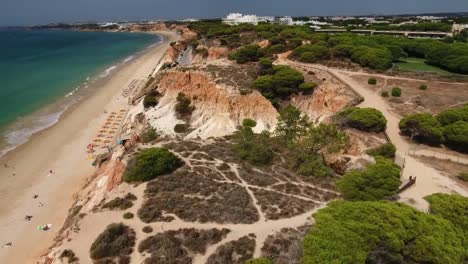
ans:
(380, 232)
(265, 67)
(181, 128)
(307, 87)
(249, 122)
(386, 150)
(128, 215)
(259, 261)
(277, 48)
(183, 107)
(456, 135)
(310, 53)
(312, 165)
(422, 127)
(149, 101)
(147, 229)
(396, 92)
(453, 115)
(365, 119)
(256, 149)
(118, 203)
(423, 87)
(463, 176)
(148, 134)
(452, 207)
(247, 53)
(117, 240)
(372, 81)
(284, 82)
(150, 163)
(376, 182)
(384, 94)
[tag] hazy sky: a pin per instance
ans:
(26, 12)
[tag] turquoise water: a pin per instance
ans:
(38, 68)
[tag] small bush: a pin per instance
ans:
(463, 176)
(423, 87)
(118, 203)
(307, 87)
(365, 119)
(128, 215)
(396, 92)
(70, 255)
(149, 101)
(384, 94)
(183, 107)
(147, 229)
(387, 150)
(423, 127)
(117, 240)
(149, 134)
(181, 128)
(376, 182)
(151, 163)
(372, 81)
(249, 122)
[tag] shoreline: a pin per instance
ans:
(61, 148)
(38, 121)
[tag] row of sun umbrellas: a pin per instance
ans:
(108, 130)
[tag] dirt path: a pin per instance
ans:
(429, 180)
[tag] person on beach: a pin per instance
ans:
(35, 196)
(28, 217)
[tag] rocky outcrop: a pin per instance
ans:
(219, 108)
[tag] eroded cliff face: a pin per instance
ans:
(219, 108)
(330, 97)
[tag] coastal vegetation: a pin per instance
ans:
(120, 203)
(376, 182)
(281, 82)
(396, 91)
(387, 150)
(304, 143)
(148, 134)
(115, 244)
(365, 119)
(449, 127)
(150, 163)
(376, 52)
(372, 81)
(252, 147)
(150, 99)
(183, 107)
(381, 232)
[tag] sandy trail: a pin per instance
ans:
(62, 149)
(429, 180)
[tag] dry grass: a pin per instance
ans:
(178, 246)
(234, 252)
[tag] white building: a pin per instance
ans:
(286, 20)
(237, 18)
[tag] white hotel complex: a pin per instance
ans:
(237, 18)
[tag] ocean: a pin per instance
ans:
(42, 73)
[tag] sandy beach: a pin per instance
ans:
(61, 148)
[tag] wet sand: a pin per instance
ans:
(61, 148)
